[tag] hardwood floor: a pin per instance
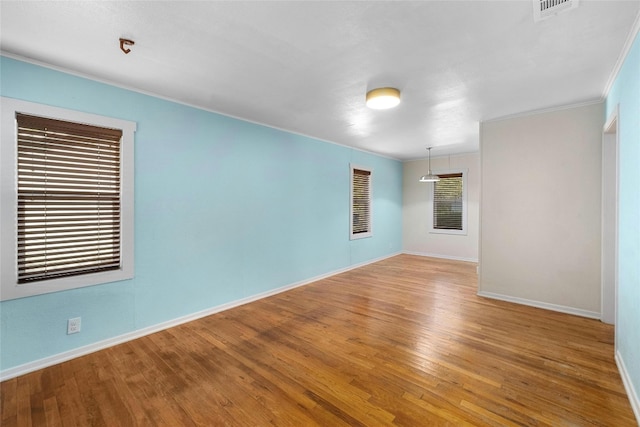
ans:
(403, 342)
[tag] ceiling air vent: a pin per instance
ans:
(543, 9)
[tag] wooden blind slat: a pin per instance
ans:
(24, 216)
(64, 244)
(65, 196)
(54, 273)
(80, 145)
(66, 169)
(46, 165)
(29, 181)
(68, 128)
(62, 260)
(53, 242)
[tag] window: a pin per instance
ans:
(449, 205)
(67, 199)
(360, 203)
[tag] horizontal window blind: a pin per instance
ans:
(68, 198)
(361, 201)
(447, 202)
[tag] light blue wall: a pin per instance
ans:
(626, 93)
(224, 209)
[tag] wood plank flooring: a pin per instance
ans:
(403, 342)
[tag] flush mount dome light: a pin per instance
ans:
(383, 98)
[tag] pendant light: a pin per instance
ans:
(429, 177)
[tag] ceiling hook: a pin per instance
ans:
(126, 42)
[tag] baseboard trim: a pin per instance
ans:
(540, 304)
(110, 342)
(628, 385)
(453, 258)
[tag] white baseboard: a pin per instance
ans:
(628, 385)
(540, 304)
(453, 258)
(100, 345)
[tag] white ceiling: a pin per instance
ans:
(305, 66)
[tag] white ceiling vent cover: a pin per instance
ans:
(543, 9)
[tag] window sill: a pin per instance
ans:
(454, 232)
(360, 236)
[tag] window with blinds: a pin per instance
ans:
(69, 207)
(360, 202)
(448, 205)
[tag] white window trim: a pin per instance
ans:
(432, 230)
(9, 287)
(357, 236)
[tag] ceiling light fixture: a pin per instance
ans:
(383, 98)
(429, 177)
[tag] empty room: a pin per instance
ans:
(320, 213)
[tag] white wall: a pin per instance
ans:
(541, 209)
(415, 209)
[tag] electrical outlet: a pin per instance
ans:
(73, 325)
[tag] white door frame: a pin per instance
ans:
(610, 204)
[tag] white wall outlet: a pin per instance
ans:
(73, 325)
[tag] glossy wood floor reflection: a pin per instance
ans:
(403, 342)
